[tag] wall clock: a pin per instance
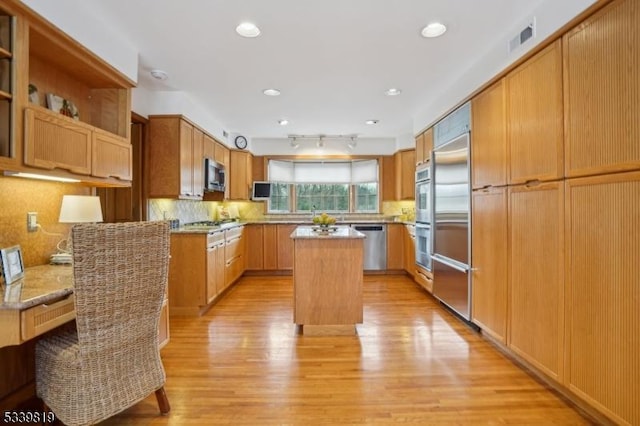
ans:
(241, 142)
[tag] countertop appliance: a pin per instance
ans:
(375, 246)
(452, 227)
(214, 176)
(424, 213)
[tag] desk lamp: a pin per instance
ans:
(76, 209)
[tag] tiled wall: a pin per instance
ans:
(20, 196)
(195, 211)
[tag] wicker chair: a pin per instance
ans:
(110, 360)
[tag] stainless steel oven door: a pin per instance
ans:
(423, 245)
(423, 201)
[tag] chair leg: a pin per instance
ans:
(163, 402)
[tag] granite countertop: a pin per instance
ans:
(41, 284)
(308, 232)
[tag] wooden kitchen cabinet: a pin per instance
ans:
(395, 246)
(405, 165)
(410, 250)
(490, 259)
(270, 247)
(489, 146)
(111, 156)
(536, 266)
(534, 118)
(240, 175)
(163, 325)
(601, 89)
(603, 293)
(424, 146)
(388, 178)
(197, 271)
(234, 253)
(254, 247)
(285, 246)
(175, 158)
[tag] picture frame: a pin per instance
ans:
(12, 264)
(63, 106)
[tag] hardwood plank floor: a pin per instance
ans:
(243, 364)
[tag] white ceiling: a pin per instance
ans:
(332, 59)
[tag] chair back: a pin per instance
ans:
(120, 277)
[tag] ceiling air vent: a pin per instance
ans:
(523, 36)
(225, 134)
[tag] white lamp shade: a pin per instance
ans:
(80, 209)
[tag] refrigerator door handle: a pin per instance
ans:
(449, 263)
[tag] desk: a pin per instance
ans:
(40, 302)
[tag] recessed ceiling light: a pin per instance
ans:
(372, 121)
(283, 122)
(434, 29)
(271, 92)
(159, 75)
(393, 92)
(247, 29)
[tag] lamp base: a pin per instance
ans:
(61, 259)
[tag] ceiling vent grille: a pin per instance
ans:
(526, 34)
(225, 134)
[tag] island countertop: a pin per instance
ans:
(309, 232)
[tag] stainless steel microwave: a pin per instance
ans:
(214, 176)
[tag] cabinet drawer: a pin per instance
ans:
(230, 234)
(42, 318)
(215, 239)
(233, 249)
(424, 278)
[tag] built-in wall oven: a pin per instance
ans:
(423, 216)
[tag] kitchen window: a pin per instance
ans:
(331, 186)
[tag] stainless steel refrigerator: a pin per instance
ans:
(451, 235)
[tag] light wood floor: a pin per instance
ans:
(243, 364)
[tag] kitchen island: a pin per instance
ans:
(327, 280)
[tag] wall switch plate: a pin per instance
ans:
(32, 221)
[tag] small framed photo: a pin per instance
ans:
(12, 264)
(63, 106)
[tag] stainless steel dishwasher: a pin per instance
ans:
(375, 245)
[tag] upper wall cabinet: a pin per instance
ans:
(424, 146)
(240, 175)
(489, 146)
(602, 91)
(534, 118)
(61, 102)
(175, 158)
(405, 168)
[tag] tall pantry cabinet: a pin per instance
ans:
(602, 109)
(572, 211)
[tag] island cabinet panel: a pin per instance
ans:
(285, 246)
(489, 257)
(328, 288)
(395, 246)
(602, 91)
(254, 247)
(489, 147)
(603, 293)
(534, 118)
(187, 273)
(536, 262)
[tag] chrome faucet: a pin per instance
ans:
(313, 212)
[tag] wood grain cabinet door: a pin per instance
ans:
(534, 118)
(53, 141)
(395, 246)
(602, 91)
(111, 156)
(490, 256)
(489, 145)
(603, 293)
(536, 262)
(186, 159)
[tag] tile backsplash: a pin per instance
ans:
(194, 211)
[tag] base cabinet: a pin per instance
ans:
(410, 249)
(489, 254)
(536, 294)
(163, 325)
(395, 246)
(603, 293)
